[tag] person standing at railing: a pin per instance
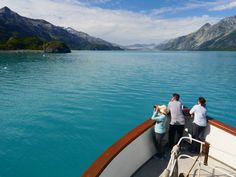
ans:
(177, 121)
(159, 114)
(199, 122)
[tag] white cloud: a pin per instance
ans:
(218, 5)
(162, 10)
(118, 26)
(100, 1)
(188, 6)
(226, 6)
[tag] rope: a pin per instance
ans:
(193, 165)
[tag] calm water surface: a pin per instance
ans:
(59, 112)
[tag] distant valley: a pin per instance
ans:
(144, 47)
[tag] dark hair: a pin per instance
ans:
(202, 101)
(176, 96)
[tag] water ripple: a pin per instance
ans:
(71, 107)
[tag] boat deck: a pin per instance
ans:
(154, 167)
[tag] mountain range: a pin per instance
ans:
(14, 25)
(220, 36)
(35, 32)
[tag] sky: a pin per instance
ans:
(126, 22)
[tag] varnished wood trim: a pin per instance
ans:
(223, 126)
(216, 123)
(102, 161)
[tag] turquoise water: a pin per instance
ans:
(59, 112)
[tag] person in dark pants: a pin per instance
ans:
(177, 122)
(159, 114)
(199, 122)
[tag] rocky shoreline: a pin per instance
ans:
(22, 51)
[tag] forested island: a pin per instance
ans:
(34, 43)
